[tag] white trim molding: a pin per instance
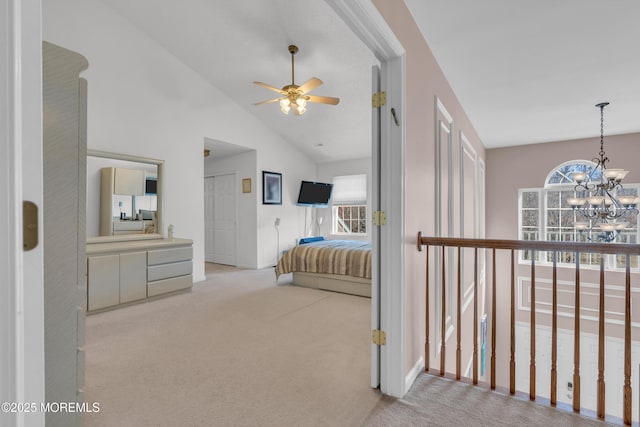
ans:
(417, 369)
(367, 23)
(21, 300)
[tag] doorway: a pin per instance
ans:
(220, 219)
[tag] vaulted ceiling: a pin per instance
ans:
(532, 71)
(525, 72)
(234, 43)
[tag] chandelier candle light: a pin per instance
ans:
(605, 213)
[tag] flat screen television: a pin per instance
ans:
(315, 194)
(150, 186)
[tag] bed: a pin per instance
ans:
(333, 265)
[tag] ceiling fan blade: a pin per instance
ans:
(268, 101)
(310, 85)
(275, 89)
(323, 99)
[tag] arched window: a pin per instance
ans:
(546, 215)
(562, 175)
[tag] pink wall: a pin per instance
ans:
(425, 81)
(509, 169)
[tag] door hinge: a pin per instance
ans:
(379, 99)
(379, 218)
(379, 337)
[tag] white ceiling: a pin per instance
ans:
(531, 71)
(233, 43)
(525, 71)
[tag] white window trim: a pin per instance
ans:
(334, 221)
(610, 261)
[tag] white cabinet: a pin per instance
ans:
(128, 182)
(133, 276)
(169, 270)
(128, 227)
(116, 279)
(122, 272)
(104, 281)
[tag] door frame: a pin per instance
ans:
(367, 23)
(22, 332)
(235, 201)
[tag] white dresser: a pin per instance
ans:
(123, 272)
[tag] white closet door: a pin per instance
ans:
(220, 219)
(208, 219)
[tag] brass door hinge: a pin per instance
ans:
(379, 99)
(378, 337)
(379, 218)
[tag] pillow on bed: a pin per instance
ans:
(310, 239)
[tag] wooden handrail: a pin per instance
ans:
(535, 247)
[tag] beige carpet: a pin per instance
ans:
(240, 351)
(435, 402)
(236, 351)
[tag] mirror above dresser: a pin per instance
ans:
(124, 197)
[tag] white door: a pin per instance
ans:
(375, 232)
(220, 218)
(208, 219)
(22, 358)
(388, 241)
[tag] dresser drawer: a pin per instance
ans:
(169, 285)
(164, 256)
(165, 271)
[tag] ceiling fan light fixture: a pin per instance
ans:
(299, 110)
(295, 96)
(285, 105)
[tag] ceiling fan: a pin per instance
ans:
(294, 96)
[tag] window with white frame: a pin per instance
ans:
(544, 214)
(349, 200)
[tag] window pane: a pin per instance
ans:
(347, 219)
(530, 218)
(563, 198)
(553, 219)
(566, 218)
(553, 199)
(530, 199)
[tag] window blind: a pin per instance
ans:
(349, 190)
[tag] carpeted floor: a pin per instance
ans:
(240, 350)
(236, 351)
(439, 402)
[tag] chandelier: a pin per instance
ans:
(600, 199)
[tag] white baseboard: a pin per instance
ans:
(246, 267)
(417, 369)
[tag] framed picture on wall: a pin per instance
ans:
(271, 188)
(246, 185)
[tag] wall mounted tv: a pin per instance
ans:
(151, 186)
(315, 194)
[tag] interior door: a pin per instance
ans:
(208, 219)
(224, 219)
(375, 232)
